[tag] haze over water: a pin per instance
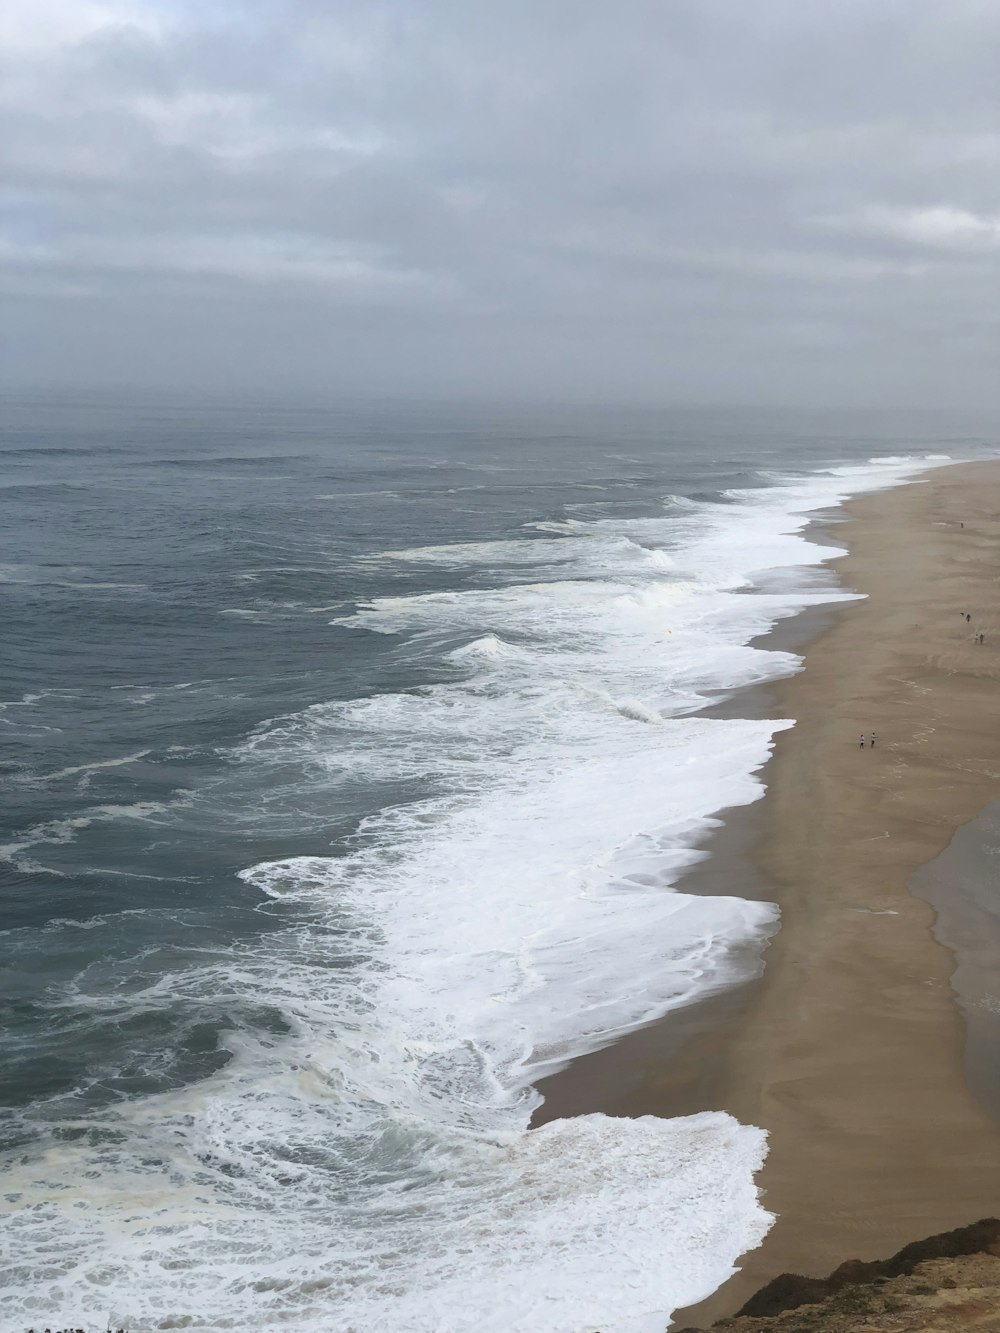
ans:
(351, 758)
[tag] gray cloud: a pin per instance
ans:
(671, 199)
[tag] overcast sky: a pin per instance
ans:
(784, 201)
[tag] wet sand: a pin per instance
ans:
(850, 1050)
(963, 887)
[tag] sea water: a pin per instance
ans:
(353, 757)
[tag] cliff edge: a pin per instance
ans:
(943, 1284)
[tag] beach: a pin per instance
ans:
(850, 1050)
(307, 893)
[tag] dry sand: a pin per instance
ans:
(849, 1051)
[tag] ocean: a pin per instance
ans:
(351, 759)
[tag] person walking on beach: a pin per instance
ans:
(967, 616)
(873, 740)
(862, 740)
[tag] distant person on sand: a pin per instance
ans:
(862, 744)
(967, 616)
(873, 740)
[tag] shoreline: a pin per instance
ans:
(671, 1066)
(849, 1050)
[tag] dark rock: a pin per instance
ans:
(789, 1290)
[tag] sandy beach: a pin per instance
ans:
(850, 1050)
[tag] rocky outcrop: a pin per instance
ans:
(943, 1284)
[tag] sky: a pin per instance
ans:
(722, 201)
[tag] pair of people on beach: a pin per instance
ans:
(980, 638)
(862, 743)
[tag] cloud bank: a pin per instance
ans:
(668, 200)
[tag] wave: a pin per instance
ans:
(487, 648)
(199, 462)
(76, 770)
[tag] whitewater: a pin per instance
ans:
(362, 1160)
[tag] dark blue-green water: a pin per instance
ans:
(349, 756)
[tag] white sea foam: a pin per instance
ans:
(55, 832)
(77, 769)
(364, 1167)
(26, 700)
(584, 1224)
(485, 904)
